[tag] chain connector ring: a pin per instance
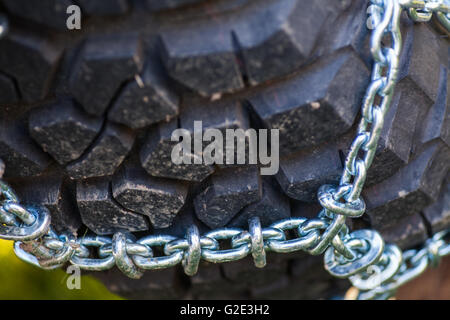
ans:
(257, 242)
(36, 230)
(345, 269)
(123, 262)
(92, 264)
(193, 254)
(375, 276)
(351, 209)
(150, 263)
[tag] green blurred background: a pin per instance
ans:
(19, 280)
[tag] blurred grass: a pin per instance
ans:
(20, 280)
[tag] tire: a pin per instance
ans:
(87, 116)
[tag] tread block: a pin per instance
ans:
(420, 59)
(318, 104)
(158, 5)
(182, 221)
(104, 8)
(227, 192)
(319, 283)
(99, 211)
(145, 100)
(49, 126)
(157, 284)
(303, 264)
(407, 232)
(271, 290)
(209, 277)
(201, 57)
(55, 195)
(305, 209)
(98, 73)
(244, 273)
(307, 272)
(21, 155)
(33, 74)
(302, 173)
(438, 213)
(344, 28)
(221, 116)
(196, 9)
(280, 46)
(410, 190)
(105, 155)
(214, 56)
(159, 199)
(51, 13)
(8, 91)
(2, 168)
(396, 139)
(436, 171)
(156, 153)
(272, 207)
(437, 121)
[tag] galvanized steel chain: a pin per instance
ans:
(423, 10)
(342, 258)
(394, 268)
(352, 255)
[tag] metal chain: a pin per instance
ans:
(395, 268)
(423, 10)
(376, 269)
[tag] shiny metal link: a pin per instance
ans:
(7, 218)
(52, 251)
(444, 245)
(26, 253)
(343, 268)
(131, 248)
(193, 253)
(302, 242)
(272, 234)
(7, 193)
(93, 264)
(401, 267)
(423, 10)
(340, 259)
(123, 261)
(384, 270)
(59, 258)
(169, 260)
(444, 20)
(257, 242)
(23, 232)
(4, 28)
(374, 268)
(351, 209)
(20, 212)
(236, 252)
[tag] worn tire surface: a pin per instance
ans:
(87, 115)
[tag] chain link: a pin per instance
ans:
(374, 268)
(423, 10)
(395, 269)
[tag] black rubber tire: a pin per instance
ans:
(86, 118)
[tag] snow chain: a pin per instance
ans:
(376, 270)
